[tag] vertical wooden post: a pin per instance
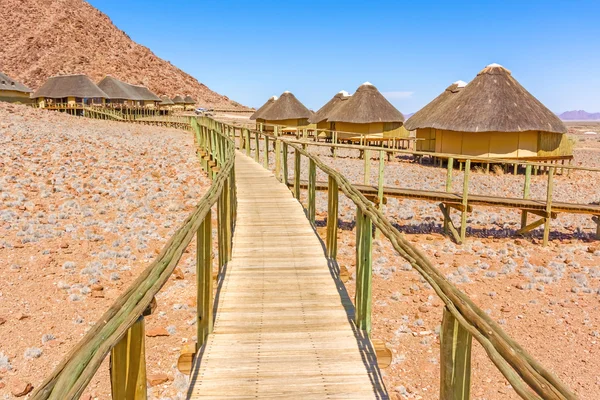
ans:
(455, 359)
(334, 142)
(463, 218)
(204, 309)
(448, 188)
(526, 194)
(284, 161)
(548, 205)
(256, 147)
(364, 273)
(367, 159)
(266, 159)
(241, 145)
(312, 182)
(278, 159)
(297, 175)
(128, 365)
(380, 186)
(332, 217)
(247, 141)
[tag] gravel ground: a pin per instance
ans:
(546, 298)
(85, 206)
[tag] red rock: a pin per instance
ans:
(2, 321)
(64, 245)
(86, 396)
(423, 309)
(21, 316)
(97, 287)
(154, 332)
(178, 273)
(2, 385)
(156, 379)
(20, 388)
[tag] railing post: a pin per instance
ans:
(380, 186)
(455, 359)
(241, 142)
(448, 188)
(332, 217)
(247, 141)
(526, 194)
(312, 182)
(364, 273)
(128, 365)
(266, 158)
(204, 279)
(297, 175)
(257, 147)
(222, 228)
(463, 218)
(284, 161)
(367, 159)
(278, 159)
(548, 218)
(334, 142)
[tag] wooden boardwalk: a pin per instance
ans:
(283, 324)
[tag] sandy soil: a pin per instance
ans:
(86, 205)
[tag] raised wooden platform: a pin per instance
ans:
(283, 325)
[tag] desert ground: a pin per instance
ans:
(85, 205)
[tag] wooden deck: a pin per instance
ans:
(284, 322)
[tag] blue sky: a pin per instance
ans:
(410, 50)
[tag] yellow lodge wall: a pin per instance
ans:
(15, 97)
(372, 131)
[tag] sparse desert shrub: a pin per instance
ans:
(32, 352)
(5, 362)
(47, 338)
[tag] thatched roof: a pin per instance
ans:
(366, 106)
(189, 100)
(493, 102)
(61, 86)
(166, 101)
(6, 83)
(420, 118)
(116, 89)
(287, 106)
(263, 108)
(178, 100)
(328, 108)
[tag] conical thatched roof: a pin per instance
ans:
(328, 108)
(178, 100)
(366, 106)
(189, 100)
(287, 106)
(61, 86)
(420, 118)
(494, 102)
(166, 101)
(6, 83)
(116, 89)
(263, 108)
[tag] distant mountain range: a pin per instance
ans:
(579, 115)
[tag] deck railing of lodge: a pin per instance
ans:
(120, 331)
(462, 319)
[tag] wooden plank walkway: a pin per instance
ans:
(283, 326)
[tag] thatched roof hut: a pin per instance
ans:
(263, 108)
(65, 86)
(491, 117)
(13, 91)
(166, 101)
(425, 114)
(8, 84)
(323, 113)
(119, 90)
(367, 115)
(178, 100)
(286, 107)
(366, 106)
(189, 100)
(494, 102)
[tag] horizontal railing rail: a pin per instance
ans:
(120, 331)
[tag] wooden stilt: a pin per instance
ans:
(526, 194)
(332, 217)
(448, 188)
(455, 359)
(463, 219)
(128, 365)
(367, 159)
(548, 205)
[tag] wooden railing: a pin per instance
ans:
(462, 319)
(120, 331)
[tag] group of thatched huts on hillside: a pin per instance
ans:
(79, 90)
(493, 116)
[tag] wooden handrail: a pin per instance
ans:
(70, 378)
(462, 318)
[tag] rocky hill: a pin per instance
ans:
(579, 115)
(43, 38)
